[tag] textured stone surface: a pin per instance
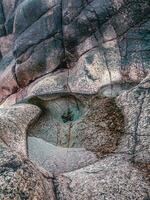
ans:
(14, 122)
(137, 122)
(74, 99)
(69, 123)
(57, 159)
(20, 179)
(111, 178)
(101, 41)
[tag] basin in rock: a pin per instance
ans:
(65, 129)
(79, 70)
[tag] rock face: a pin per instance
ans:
(74, 99)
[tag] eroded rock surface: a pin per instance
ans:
(74, 99)
(111, 178)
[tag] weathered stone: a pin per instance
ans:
(69, 123)
(13, 131)
(84, 67)
(2, 21)
(57, 159)
(111, 178)
(8, 80)
(137, 122)
(6, 44)
(20, 179)
(43, 59)
(47, 26)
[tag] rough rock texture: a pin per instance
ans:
(19, 178)
(111, 178)
(74, 99)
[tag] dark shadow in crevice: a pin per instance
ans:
(61, 66)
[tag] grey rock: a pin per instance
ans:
(2, 21)
(20, 179)
(111, 178)
(137, 122)
(74, 99)
(57, 159)
(69, 123)
(47, 26)
(13, 131)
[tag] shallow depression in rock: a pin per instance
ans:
(67, 132)
(57, 118)
(66, 110)
(58, 159)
